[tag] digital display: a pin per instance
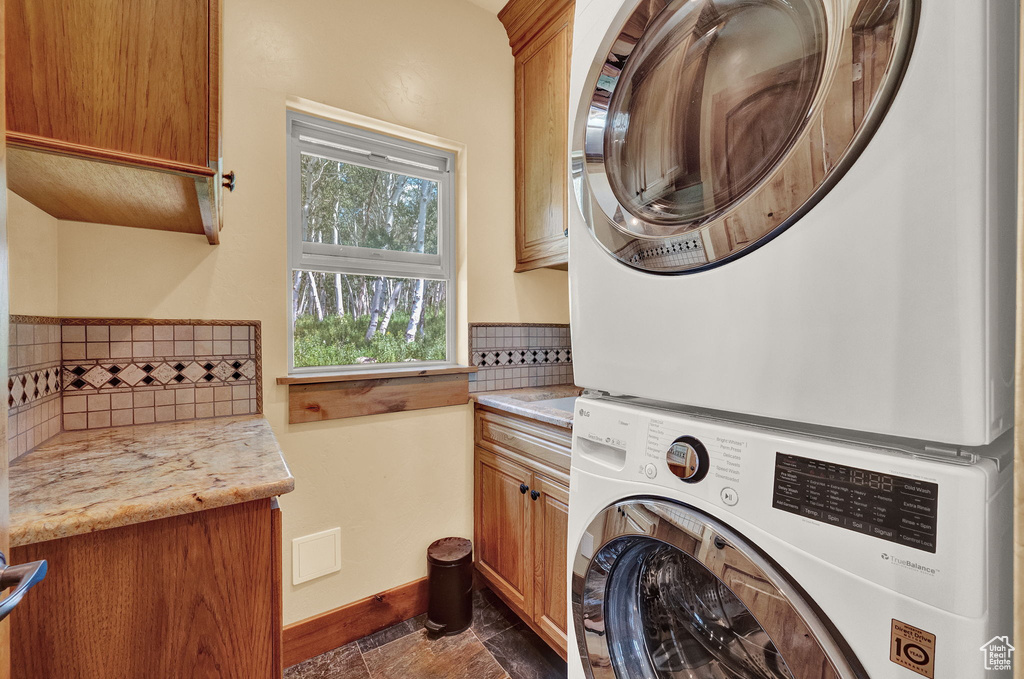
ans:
(892, 508)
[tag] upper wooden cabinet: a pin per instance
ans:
(113, 111)
(540, 33)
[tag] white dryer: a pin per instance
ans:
(704, 549)
(798, 209)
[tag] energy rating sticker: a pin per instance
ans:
(912, 648)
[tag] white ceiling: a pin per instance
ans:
(492, 6)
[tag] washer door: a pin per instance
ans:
(671, 593)
(712, 125)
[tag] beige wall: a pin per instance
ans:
(392, 482)
(32, 239)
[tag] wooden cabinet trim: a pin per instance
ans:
(544, 445)
(277, 580)
(65, 148)
(561, 436)
(525, 19)
(213, 112)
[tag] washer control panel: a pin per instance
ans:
(885, 506)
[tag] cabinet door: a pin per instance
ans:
(503, 530)
(542, 149)
(551, 537)
(119, 75)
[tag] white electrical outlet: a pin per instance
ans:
(316, 555)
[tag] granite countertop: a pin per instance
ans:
(85, 481)
(523, 402)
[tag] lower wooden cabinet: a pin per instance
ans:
(521, 519)
(550, 539)
(197, 595)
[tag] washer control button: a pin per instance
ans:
(730, 497)
(650, 471)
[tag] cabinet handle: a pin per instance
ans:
(534, 495)
(22, 578)
(523, 488)
(228, 180)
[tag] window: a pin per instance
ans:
(371, 244)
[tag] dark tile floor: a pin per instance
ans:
(497, 646)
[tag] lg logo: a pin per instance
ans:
(584, 413)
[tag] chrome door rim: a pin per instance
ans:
(676, 524)
(638, 244)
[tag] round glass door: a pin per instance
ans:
(673, 594)
(715, 124)
(691, 624)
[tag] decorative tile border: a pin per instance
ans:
(32, 386)
(511, 356)
(506, 357)
(156, 373)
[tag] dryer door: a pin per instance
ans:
(710, 126)
(671, 593)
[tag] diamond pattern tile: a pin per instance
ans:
(222, 371)
(97, 376)
(193, 372)
(248, 370)
(132, 375)
(163, 373)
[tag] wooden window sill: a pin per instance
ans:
(314, 398)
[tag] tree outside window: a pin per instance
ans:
(367, 222)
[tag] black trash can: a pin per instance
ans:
(450, 587)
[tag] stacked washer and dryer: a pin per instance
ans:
(792, 288)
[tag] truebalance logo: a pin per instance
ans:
(910, 565)
(998, 653)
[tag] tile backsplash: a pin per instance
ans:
(33, 383)
(510, 356)
(116, 372)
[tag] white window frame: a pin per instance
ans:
(352, 145)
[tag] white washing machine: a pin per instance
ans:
(798, 209)
(703, 549)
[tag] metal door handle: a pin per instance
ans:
(22, 578)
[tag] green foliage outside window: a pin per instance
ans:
(345, 319)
